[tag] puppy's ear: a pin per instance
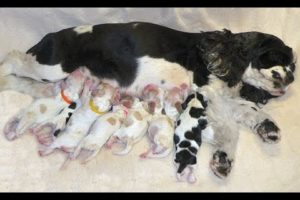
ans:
(178, 107)
(151, 107)
(116, 97)
(184, 91)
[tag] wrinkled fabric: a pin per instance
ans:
(257, 167)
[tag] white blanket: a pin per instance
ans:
(258, 167)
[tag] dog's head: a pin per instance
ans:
(271, 67)
(258, 59)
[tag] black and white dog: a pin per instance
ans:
(254, 66)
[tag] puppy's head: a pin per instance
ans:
(105, 96)
(154, 96)
(175, 97)
(73, 84)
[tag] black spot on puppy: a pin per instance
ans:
(72, 105)
(56, 132)
(195, 135)
(184, 158)
(184, 144)
(196, 112)
(201, 99)
(178, 122)
(162, 81)
(186, 102)
(69, 116)
(45, 80)
(202, 123)
(193, 150)
(176, 139)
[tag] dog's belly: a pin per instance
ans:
(157, 71)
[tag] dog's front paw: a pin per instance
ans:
(221, 164)
(268, 131)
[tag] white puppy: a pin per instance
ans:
(161, 128)
(45, 108)
(100, 132)
(95, 104)
(134, 127)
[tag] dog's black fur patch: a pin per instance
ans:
(254, 94)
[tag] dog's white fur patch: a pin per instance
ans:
(156, 71)
(25, 65)
(268, 72)
(83, 29)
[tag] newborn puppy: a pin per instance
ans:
(188, 135)
(95, 104)
(45, 108)
(47, 131)
(100, 132)
(134, 127)
(173, 100)
(161, 127)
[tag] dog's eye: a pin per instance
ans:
(276, 75)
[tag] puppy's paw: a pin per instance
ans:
(220, 164)
(10, 129)
(268, 131)
(44, 133)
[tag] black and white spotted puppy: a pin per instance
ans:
(46, 108)
(188, 135)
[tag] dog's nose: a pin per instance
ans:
(289, 78)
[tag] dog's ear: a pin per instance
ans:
(272, 51)
(274, 57)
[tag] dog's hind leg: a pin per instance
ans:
(29, 86)
(25, 65)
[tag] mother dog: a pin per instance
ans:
(132, 55)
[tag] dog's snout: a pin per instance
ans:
(289, 78)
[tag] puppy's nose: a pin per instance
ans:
(289, 78)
